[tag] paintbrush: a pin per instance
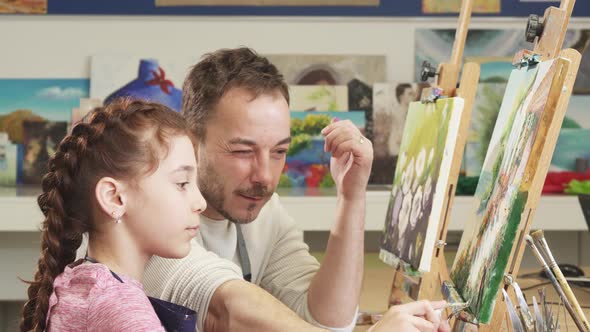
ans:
(541, 243)
(527, 317)
(514, 319)
(556, 285)
(459, 308)
(539, 322)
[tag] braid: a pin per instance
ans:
(61, 232)
(122, 140)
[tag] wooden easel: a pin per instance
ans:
(547, 43)
(429, 284)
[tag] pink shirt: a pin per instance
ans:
(88, 298)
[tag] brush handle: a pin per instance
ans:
(565, 286)
(556, 284)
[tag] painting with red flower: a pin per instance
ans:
(146, 78)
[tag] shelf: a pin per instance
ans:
(19, 211)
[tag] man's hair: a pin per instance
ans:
(219, 72)
(400, 89)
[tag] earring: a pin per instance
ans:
(116, 217)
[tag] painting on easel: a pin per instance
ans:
(420, 181)
(502, 191)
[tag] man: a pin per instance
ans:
(238, 106)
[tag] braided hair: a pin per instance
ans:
(123, 140)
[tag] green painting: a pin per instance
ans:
(501, 193)
(420, 181)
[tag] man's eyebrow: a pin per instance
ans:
(243, 141)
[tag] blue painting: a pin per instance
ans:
(38, 99)
(308, 165)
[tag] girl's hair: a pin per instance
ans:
(124, 140)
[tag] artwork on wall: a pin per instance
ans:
(139, 77)
(502, 193)
(165, 3)
(490, 48)
(8, 161)
(23, 6)
(493, 50)
(318, 97)
(37, 99)
(390, 106)
(304, 69)
(40, 141)
(454, 6)
(308, 165)
(420, 183)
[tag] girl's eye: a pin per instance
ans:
(182, 185)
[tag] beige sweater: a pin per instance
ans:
(280, 264)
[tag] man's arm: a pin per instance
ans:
(338, 282)
(241, 306)
(214, 288)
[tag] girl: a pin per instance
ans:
(127, 177)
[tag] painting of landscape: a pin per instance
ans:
(502, 192)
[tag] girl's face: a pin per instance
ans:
(163, 211)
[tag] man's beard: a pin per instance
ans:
(212, 188)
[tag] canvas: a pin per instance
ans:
(502, 193)
(37, 99)
(318, 97)
(485, 112)
(454, 6)
(304, 69)
(421, 178)
(571, 145)
(390, 106)
(23, 6)
(154, 79)
(494, 49)
(308, 165)
(41, 140)
(86, 105)
(8, 161)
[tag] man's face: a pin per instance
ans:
(243, 154)
(408, 96)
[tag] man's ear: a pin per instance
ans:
(110, 197)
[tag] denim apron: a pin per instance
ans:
(174, 317)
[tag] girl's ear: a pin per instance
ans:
(110, 198)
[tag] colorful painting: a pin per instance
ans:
(41, 140)
(485, 112)
(23, 6)
(157, 80)
(8, 161)
(318, 97)
(454, 6)
(302, 69)
(420, 183)
(498, 46)
(502, 191)
(308, 165)
(572, 144)
(390, 106)
(37, 99)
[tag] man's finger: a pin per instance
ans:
(422, 324)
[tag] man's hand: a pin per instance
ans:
(413, 317)
(352, 157)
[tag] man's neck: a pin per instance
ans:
(213, 214)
